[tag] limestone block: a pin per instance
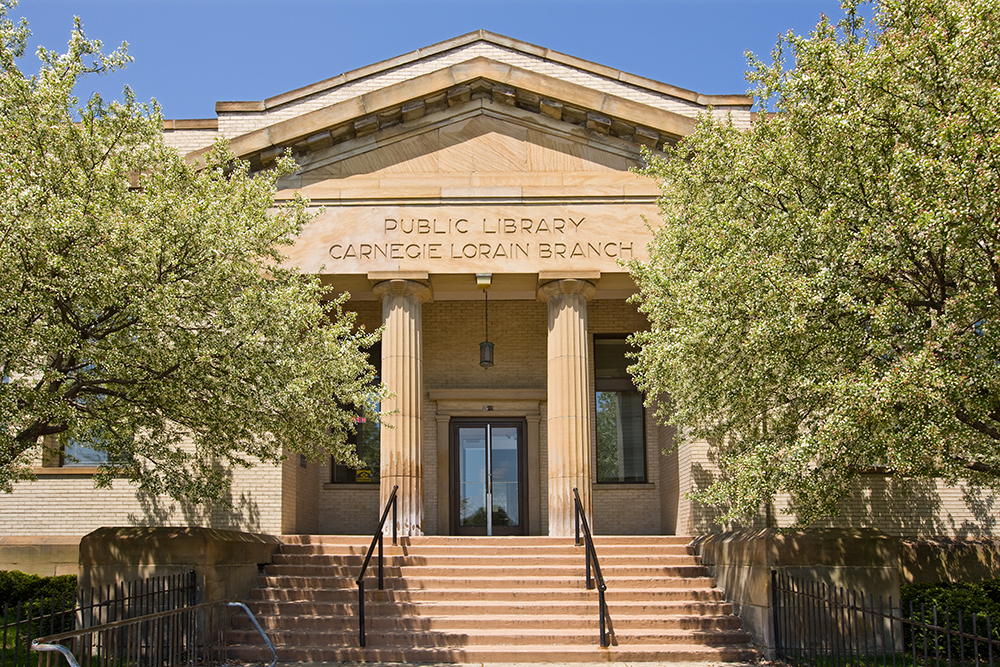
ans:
(413, 109)
(598, 122)
(864, 560)
(317, 141)
(503, 94)
(390, 117)
(44, 555)
(551, 108)
(459, 95)
(226, 562)
(365, 126)
(622, 130)
(646, 136)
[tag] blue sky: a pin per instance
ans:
(190, 54)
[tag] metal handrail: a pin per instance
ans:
(51, 642)
(592, 554)
(376, 539)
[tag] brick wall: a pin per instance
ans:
(68, 504)
(186, 141)
(897, 507)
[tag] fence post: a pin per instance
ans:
(774, 614)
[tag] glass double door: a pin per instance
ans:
(487, 481)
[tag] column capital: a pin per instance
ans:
(400, 287)
(566, 286)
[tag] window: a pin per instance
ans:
(79, 454)
(621, 433)
(366, 440)
(367, 446)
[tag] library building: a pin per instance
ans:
(479, 201)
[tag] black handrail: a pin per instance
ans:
(376, 539)
(592, 554)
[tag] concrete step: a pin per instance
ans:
(586, 608)
(486, 636)
(539, 540)
(537, 593)
(513, 551)
(484, 560)
(621, 622)
(504, 599)
(546, 652)
(497, 580)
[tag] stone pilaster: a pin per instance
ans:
(568, 398)
(402, 373)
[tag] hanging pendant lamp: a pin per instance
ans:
(483, 280)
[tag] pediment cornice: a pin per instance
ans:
(440, 48)
(599, 112)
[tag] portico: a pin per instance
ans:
(492, 159)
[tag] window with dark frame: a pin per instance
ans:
(366, 440)
(621, 432)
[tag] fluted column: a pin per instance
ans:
(402, 373)
(568, 399)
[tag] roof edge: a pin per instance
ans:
(493, 38)
(287, 132)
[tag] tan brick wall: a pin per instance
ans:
(347, 509)
(454, 329)
(625, 509)
(896, 507)
(186, 141)
(68, 504)
(300, 495)
(452, 333)
(919, 508)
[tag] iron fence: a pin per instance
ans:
(826, 626)
(25, 620)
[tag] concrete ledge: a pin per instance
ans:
(44, 555)
(227, 562)
(741, 561)
(943, 559)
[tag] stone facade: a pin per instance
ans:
(477, 162)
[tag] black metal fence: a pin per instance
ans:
(825, 626)
(25, 620)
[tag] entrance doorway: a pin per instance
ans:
(488, 472)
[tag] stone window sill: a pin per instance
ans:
(80, 471)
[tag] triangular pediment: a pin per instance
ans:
(478, 66)
(479, 153)
(474, 146)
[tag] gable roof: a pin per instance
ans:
(477, 65)
(486, 37)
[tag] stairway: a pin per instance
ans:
(497, 599)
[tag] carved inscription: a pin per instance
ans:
(467, 238)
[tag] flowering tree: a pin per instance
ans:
(824, 289)
(144, 309)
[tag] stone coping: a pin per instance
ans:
(493, 38)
